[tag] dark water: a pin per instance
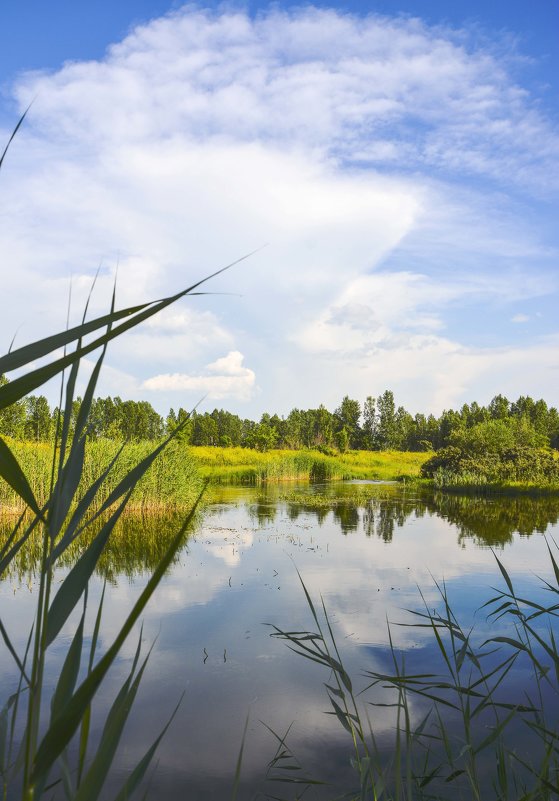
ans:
(366, 551)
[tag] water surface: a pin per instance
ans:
(365, 550)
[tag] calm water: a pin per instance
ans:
(238, 573)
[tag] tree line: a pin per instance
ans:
(377, 424)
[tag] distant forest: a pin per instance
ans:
(378, 424)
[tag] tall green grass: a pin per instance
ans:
(461, 727)
(248, 466)
(172, 482)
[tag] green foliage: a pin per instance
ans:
(498, 450)
(379, 425)
(342, 440)
(57, 513)
(497, 436)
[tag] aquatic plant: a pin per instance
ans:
(461, 729)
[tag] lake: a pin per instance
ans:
(370, 552)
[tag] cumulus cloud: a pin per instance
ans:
(361, 88)
(377, 156)
(231, 380)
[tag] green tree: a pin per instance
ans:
(348, 414)
(370, 423)
(264, 434)
(323, 427)
(499, 408)
(403, 429)
(386, 426)
(342, 439)
(12, 418)
(38, 418)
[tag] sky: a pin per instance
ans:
(394, 165)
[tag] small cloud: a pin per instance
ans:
(520, 318)
(232, 380)
(232, 364)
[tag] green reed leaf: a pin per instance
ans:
(62, 729)
(66, 486)
(342, 716)
(239, 764)
(139, 771)
(504, 574)
(11, 139)
(495, 732)
(10, 703)
(19, 387)
(76, 524)
(13, 652)
(554, 563)
(86, 719)
(93, 781)
(69, 673)
(75, 583)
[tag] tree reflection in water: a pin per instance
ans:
(379, 511)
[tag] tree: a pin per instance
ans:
(204, 430)
(348, 414)
(451, 422)
(323, 427)
(342, 440)
(264, 435)
(369, 423)
(403, 429)
(499, 408)
(38, 419)
(12, 418)
(386, 427)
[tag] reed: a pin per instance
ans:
(476, 737)
(72, 498)
(248, 466)
(171, 483)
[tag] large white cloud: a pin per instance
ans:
(228, 379)
(348, 144)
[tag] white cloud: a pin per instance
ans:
(311, 77)
(232, 380)
(520, 318)
(341, 141)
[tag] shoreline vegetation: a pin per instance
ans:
(179, 472)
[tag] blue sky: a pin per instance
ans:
(400, 162)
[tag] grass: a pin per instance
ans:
(478, 485)
(461, 730)
(173, 481)
(248, 466)
(178, 472)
